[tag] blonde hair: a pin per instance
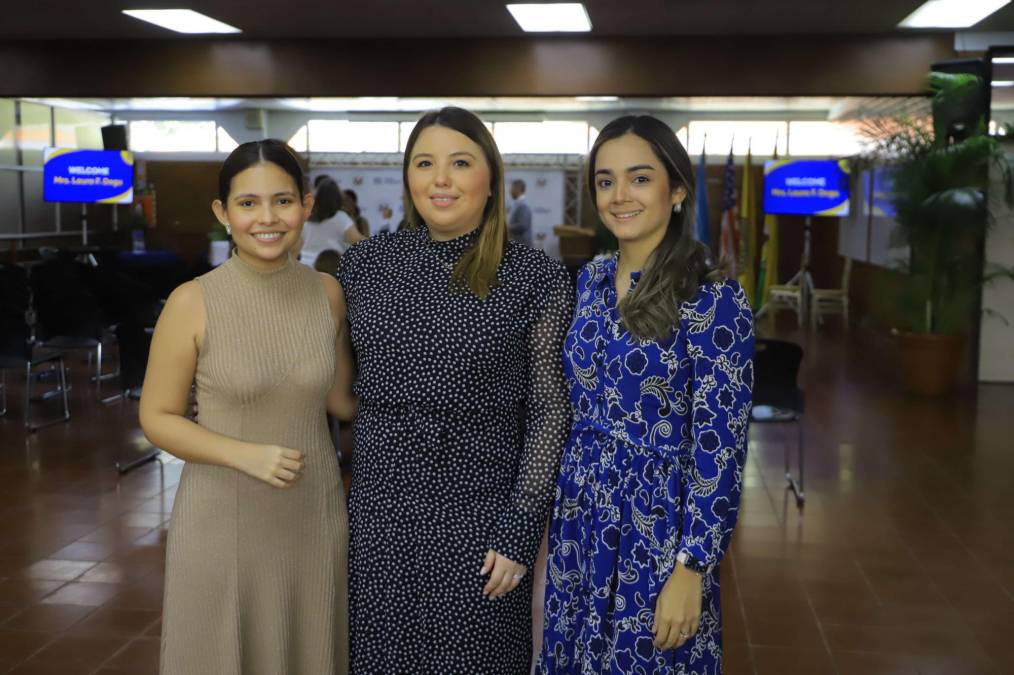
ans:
(477, 268)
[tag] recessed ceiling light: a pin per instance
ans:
(1003, 83)
(558, 17)
(182, 20)
(951, 13)
(1004, 60)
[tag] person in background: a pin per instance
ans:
(256, 558)
(519, 225)
(659, 359)
(327, 261)
(328, 226)
(458, 335)
(351, 205)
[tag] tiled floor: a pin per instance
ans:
(901, 563)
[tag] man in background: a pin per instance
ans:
(519, 222)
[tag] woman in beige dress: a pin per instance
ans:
(257, 550)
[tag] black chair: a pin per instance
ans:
(70, 317)
(17, 349)
(777, 399)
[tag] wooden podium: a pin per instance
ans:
(577, 244)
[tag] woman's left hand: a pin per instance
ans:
(678, 609)
(504, 575)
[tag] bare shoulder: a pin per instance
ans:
(187, 299)
(331, 286)
(333, 290)
(183, 318)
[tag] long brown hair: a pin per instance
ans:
(327, 200)
(476, 270)
(678, 266)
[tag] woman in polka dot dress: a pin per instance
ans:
(463, 415)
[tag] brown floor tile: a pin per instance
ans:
(23, 592)
(36, 668)
(145, 520)
(115, 622)
(144, 594)
(781, 625)
(969, 661)
(139, 657)
(58, 570)
(154, 630)
(153, 538)
(995, 633)
(76, 654)
(17, 645)
(870, 663)
(48, 618)
(115, 536)
(80, 593)
(7, 611)
(792, 661)
(107, 573)
(737, 658)
(925, 645)
(976, 595)
(83, 550)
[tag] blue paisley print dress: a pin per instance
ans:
(653, 467)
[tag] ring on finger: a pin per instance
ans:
(518, 577)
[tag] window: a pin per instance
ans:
(345, 136)
(541, 137)
(831, 139)
(172, 135)
(718, 136)
(300, 140)
(684, 136)
(226, 143)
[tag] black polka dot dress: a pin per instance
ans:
(463, 416)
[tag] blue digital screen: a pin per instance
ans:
(806, 187)
(88, 176)
(882, 191)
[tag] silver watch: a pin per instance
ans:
(691, 563)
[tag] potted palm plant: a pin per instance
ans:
(940, 179)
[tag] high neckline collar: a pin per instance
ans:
(248, 270)
(610, 267)
(449, 247)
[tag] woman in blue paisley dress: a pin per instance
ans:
(661, 384)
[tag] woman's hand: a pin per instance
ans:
(678, 609)
(277, 466)
(504, 575)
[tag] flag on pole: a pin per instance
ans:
(767, 273)
(728, 243)
(703, 231)
(748, 229)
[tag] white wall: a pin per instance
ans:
(996, 336)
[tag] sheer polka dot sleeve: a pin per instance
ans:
(347, 268)
(519, 531)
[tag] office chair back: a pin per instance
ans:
(776, 366)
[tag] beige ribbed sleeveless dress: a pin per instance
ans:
(256, 579)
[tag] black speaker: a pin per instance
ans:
(114, 137)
